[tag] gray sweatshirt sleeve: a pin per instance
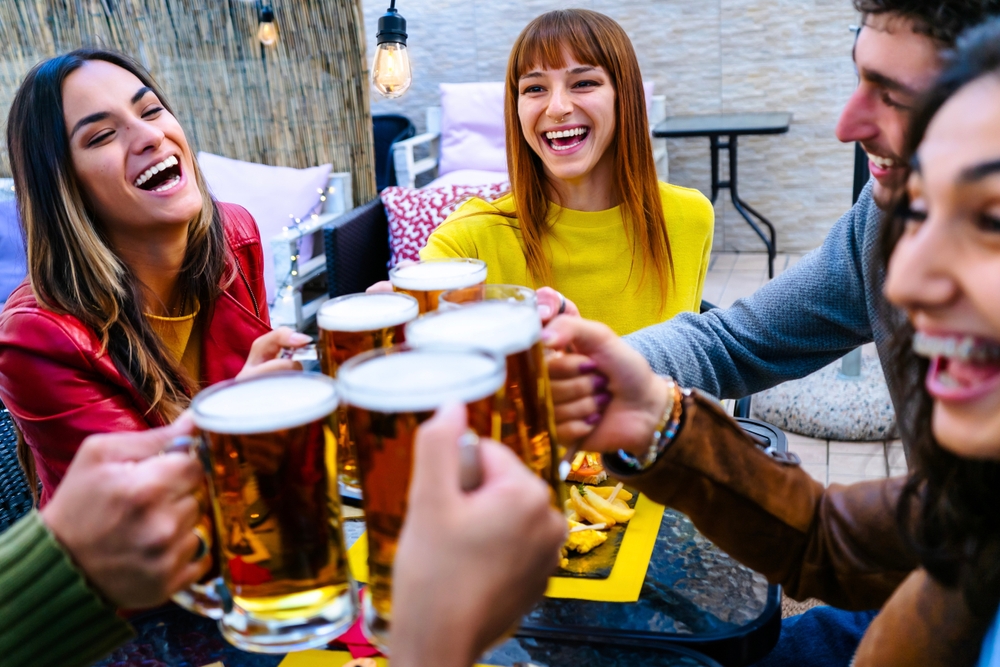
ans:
(804, 319)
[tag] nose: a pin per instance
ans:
(920, 274)
(857, 121)
(145, 136)
(560, 105)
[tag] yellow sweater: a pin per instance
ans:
(590, 256)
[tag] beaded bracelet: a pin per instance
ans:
(663, 435)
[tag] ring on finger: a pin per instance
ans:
(562, 304)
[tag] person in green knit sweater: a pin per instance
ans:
(117, 533)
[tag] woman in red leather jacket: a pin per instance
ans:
(141, 288)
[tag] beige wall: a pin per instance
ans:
(706, 56)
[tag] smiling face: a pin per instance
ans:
(567, 117)
(129, 153)
(945, 270)
(895, 65)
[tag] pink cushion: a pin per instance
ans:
(472, 135)
(415, 213)
(275, 196)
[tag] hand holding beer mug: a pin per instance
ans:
(389, 392)
(348, 326)
(277, 512)
(470, 563)
(427, 280)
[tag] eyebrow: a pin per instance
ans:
(979, 172)
(886, 82)
(583, 69)
(102, 115)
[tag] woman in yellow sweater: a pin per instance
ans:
(586, 214)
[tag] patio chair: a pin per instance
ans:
(387, 129)
(465, 142)
(15, 495)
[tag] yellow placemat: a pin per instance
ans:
(326, 659)
(622, 585)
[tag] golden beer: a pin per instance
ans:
(389, 393)
(348, 326)
(277, 512)
(427, 280)
(511, 329)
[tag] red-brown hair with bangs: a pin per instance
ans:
(597, 40)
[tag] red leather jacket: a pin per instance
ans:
(60, 387)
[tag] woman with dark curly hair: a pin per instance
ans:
(925, 549)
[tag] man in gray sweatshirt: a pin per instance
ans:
(831, 301)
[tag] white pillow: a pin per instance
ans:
(275, 196)
(472, 134)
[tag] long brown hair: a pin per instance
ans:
(72, 266)
(597, 40)
(949, 504)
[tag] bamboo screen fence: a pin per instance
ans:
(300, 103)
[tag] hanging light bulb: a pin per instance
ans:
(267, 30)
(391, 69)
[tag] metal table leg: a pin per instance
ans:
(746, 210)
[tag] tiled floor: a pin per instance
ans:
(735, 275)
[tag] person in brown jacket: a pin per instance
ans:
(924, 548)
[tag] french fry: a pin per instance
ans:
(588, 511)
(573, 516)
(604, 507)
(606, 491)
(618, 502)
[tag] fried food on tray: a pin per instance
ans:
(587, 469)
(607, 491)
(587, 510)
(603, 507)
(583, 539)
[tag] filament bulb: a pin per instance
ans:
(391, 70)
(267, 30)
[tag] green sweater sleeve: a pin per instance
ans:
(48, 613)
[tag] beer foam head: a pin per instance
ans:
(265, 403)
(419, 380)
(367, 312)
(502, 327)
(439, 274)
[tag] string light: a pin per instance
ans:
(391, 68)
(267, 29)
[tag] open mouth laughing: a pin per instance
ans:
(962, 367)
(161, 177)
(564, 140)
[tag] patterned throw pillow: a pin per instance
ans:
(416, 212)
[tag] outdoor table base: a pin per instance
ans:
(731, 126)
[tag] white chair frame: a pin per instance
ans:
(408, 168)
(287, 309)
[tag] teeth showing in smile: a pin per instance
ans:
(565, 134)
(881, 162)
(963, 348)
(155, 169)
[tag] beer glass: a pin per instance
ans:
(277, 513)
(348, 326)
(389, 392)
(510, 328)
(464, 296)
(426, 280)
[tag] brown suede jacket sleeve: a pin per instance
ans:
(839, 544)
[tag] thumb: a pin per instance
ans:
(268, 346)
(586, 337)
(436, 464)
(134, 445)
